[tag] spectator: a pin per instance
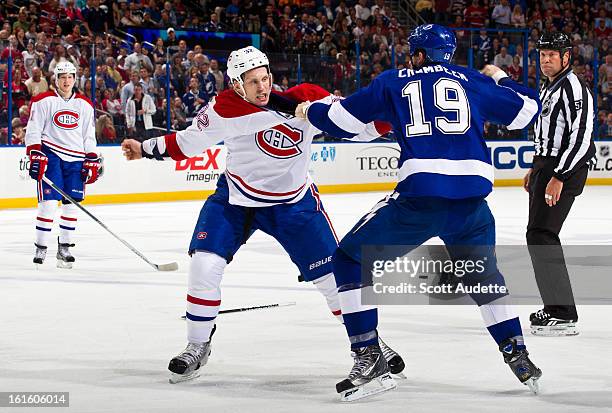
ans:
(37, 83)
(147, 82)
(138, 114)
(441, 11)
(194, 99)
(18, 134)
(213, 25)
(137, 60)
(96, 18)
(362, 10)
(22, 21)
(425, 9)
(127, 91)
(105, 130)
(19, 92)
(602, 31)
(518, 18)
(217, 74)
(482, 44)
(475, 15)
(30, 59)
(501, 15)
(457, 7)
(207, 82)
(110, 103)
(171, 14)
(514, 70)
(327, 44)
(605, 128)
(503, 58)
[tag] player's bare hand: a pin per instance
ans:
(553, 191)
(131, 149)
(302, 109)
(490, 70)
(526, 179)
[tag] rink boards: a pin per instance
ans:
(335, 167)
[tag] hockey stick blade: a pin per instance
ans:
(173, 266)
(257, 307)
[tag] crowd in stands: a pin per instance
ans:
(130, 78)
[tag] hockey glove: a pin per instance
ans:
(91, 168)
(38, 164)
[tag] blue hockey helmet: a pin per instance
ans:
(438, 42)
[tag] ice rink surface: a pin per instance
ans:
(105, 330)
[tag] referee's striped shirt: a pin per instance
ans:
(564, 129)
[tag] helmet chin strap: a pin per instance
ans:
(242, 93)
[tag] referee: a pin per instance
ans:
(563, 149)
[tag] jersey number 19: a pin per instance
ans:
(448, 96)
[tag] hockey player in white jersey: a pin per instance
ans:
(266, 186)
(61, 144)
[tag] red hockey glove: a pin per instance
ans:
(91, 168)
(38, 162)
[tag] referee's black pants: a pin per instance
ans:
(543, 236)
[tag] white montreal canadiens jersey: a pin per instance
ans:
(66, 127)
(268, 152)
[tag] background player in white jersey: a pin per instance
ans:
(61, 144)
(266, 186)
(438, 111)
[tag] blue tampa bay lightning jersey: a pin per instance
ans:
(438, 114)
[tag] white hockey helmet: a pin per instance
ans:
(61, 68)
(64, 67)
(242, 60)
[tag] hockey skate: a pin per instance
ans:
(186, 366)
(394, 360)
(39, 255)
(544, 324)
(64, 257)
(521, 366)
(370, 375)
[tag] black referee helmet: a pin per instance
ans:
(554, 41)
(558, 41)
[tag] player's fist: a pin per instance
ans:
(302, 109)
(38, 164)
(132, 149)
(90, 172)
(490, 70)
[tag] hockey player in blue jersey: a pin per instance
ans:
(438, 112)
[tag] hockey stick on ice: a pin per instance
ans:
(172, 266)
(258, 307)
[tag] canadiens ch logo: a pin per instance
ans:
(66, 119)
(282, 141)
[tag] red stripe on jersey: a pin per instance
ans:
(229, 105)
(43, 95)
(44, 219)
(259, 191)
(337, 312)
(67, 218)
(304, 92)
(55, 145)
(85, 98)
(201, 301)
(318, 198)
(173, 148)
